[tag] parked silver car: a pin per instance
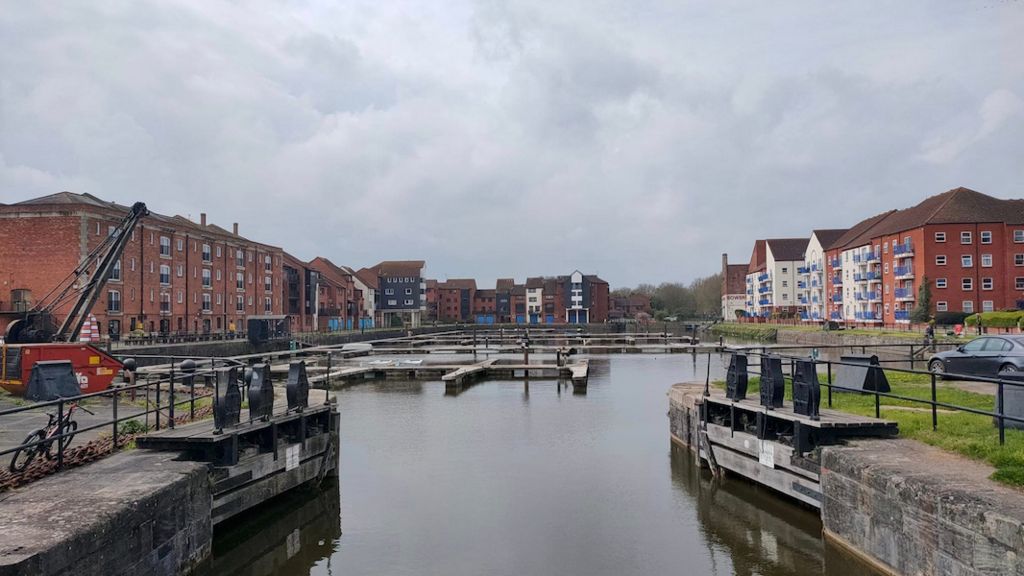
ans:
(985, 356)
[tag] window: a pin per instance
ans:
(1018, 236)
(240, 281)
(986, 260)
(115, 272)
(1019, 282)
(113, 301)
(267, 307)
(389, 291)
(785, 283)
(165, 302)
(165, 274)
(218, 252)
(967, 283)
(986, 283)
(250, 277)
(940, 260)
(392, 302)
(941, 306)
(132, 264)
(218, 274)
(408, 302)
(207, 279)
(785, 296)
(408, 291)
(1018, 259)
(207, 303)
(885, 268)
(250, 256)
(986, 306)
(986, 238)
(239, 303)
(885, 247)
(165, 246)
(181, 245)
(181, 270)
(250, 301)
(940, 236)
(966, 261)
(206, 253)
(239, 259)
(132, 294)
(940, 282)
(965, 237)
(268, 264)
(267, 284)
(968, 306)
(181, 297)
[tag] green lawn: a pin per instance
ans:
(964, 433)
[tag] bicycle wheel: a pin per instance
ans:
(24, 456)
(68, 427)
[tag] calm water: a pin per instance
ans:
(514, 478)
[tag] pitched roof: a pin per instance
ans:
(594, 279)
(787, 249)
(861, 232)
(954, 206)
(757, 257)
(399, 268)
(828, 236)
(535, 282)
(367, 277)
(457, 284)
(505, 283)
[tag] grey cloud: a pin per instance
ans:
(635, 139)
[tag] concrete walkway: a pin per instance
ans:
(14, 428)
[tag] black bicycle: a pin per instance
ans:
(47, 438)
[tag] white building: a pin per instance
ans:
(771, 282)
(811, 286)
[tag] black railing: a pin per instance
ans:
(998, 414)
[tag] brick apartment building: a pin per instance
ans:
(401, 292)
(968, 246)
(339, 303)
(174, 276)
(734, 280)
(455, 299)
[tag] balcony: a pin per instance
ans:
(815, 283)
(802, 299)
(903, 250)
(814, 299)
(762, 277)
(835, 316)
(837, 263)
(764, 290)
(749, 291)
(903, 271)
(805, 316)
(902, 315)
(801, 284)
(803, 270)
(837, 280)
(870, 257)
(857, 258)
(874, 296)
(858, 277)
(904, 293)
(764, 302)
(815, 267)
(837, 297)
(867, 316)
(874, 276)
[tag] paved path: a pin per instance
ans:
(15, 427)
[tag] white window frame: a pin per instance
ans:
(967, 306)
(940, 237)
(985, 236)
(986, 258)
(941, 306)
(966, 261)
(966, 237)
(990, 282)
(940, 283)
(987, 306)
(967, 284)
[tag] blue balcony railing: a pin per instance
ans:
(873, 276)
(762, 277)
(815, 283)
(802, 299)
(764, 290)
(803, 270)
(814, 299)
(856, 257)
(804, 316)
(868, 315)
(903, 271)
(871, 257)
(801, 284)
(835, 316)
(837, 297)
(837, 263)
(904, 292)
(858, 277)
(906, 249)
(764, 302)
(815, 267)
(837, 280)
(875, 295)
(902, 315)
(749, 291)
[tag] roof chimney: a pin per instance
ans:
(234, 228)
(202, 218)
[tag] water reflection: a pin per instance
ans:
(761, 533)
(291, 535)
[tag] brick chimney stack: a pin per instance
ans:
(202, 218)
(234, 228)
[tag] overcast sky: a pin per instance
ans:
(637, 140)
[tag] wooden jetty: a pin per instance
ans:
(257, 460)
(771, 447)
